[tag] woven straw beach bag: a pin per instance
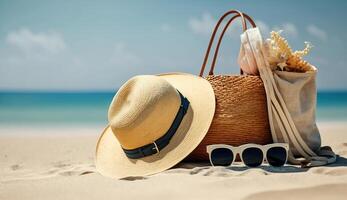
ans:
(241, 110)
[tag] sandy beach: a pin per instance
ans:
(60, 165)
(158, 72)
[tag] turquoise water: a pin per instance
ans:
(22, 109)
(54, 108)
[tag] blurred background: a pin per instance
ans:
(61, 62)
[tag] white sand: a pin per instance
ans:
(40, 164)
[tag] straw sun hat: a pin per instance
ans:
(155, 121)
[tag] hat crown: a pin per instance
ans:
(143, 110)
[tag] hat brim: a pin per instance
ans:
(111, 161)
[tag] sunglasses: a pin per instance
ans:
(252, 155)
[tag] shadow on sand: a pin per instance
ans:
(340, 162)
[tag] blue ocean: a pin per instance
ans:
(23, 109)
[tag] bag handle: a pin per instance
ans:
(250, 20)
(244, 27)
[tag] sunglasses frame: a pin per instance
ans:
(239, 150)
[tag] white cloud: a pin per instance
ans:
(29, 42)
(317, 32)
(264, 28)
(289, 29)
(122, 57)
(203, 26)
(165, 28)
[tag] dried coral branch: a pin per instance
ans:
(272, 55)
(305, 51)
(281, 43)
(280, 55)
(295, 63)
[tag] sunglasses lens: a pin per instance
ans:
(252, 157)
(222, 157)
(276, 156)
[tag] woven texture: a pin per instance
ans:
(240, 116)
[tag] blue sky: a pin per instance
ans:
(97, 45)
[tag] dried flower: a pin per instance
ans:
(282, 44)
(273, 54)
(281, 57)
(296, 64)
(305, 51)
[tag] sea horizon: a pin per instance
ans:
(89, 108)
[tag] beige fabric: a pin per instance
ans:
(142, 111)
(291, 99)
(247, 62)
(298, 91)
